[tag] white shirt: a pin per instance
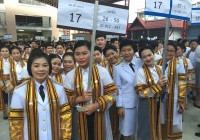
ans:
(6, 66)
(197, 54)
(18, 69)
(156, 58)
(141, 78)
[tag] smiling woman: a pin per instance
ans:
(41, 104)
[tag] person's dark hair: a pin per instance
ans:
(145, 48)
(154, 44)
(17, 48)
(113, 40)
(182, 46)
(59, 44)
(179, 40)
(53, 56)
(184, 41)
(109, 47)
(70, 48)
(47, 45)
(198, 39)
(127, 42)
(97, 48)
(36, 54)
(69, 54)
(82, 43)
(5, 46)
(194, 40)
(100, 35)
(171, 43)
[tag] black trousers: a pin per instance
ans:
(90, 123)
(5, 97)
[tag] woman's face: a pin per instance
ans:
(179, 51)
(112, 56)
(68, 63)
(56, 66)
(40, 69)
(16, 54)
(148, 57)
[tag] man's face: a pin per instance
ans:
(101, 42)
(34, 45)
(193, 45)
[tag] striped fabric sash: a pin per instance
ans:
(82, 119)
(32, 110)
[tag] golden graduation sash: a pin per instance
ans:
(156, 89)
(32, 113)
(160, 61)
(1, 75)
(59, 78)
(103, 100)
(170, 98)
(13, 71)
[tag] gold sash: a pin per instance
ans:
(32, 112)
(156, 89)
(1, 75)
(102, 100)
(170, 101)
(59, 78)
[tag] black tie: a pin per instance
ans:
(131, 65)
(42, 92)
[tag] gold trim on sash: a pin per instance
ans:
(16, 124)
(32, 112)
(59, 78)
(156, 89)
(170, 101)
(65, 122)
(103, 101)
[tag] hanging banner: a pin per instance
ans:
(195, 19)
(79, 15)
(178, 9)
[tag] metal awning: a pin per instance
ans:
(55, 2)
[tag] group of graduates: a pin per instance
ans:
(45, 94)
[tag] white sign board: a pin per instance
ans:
(158, 6)
(39, 37)
(195, 16)
(79, 38)
(7, 36)
(79, 15)
(182, 8)
(179, 9)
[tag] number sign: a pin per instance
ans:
(179, 9)
(195, 16)
(79, 15)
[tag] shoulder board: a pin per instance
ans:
(56, 82)
(23, 83)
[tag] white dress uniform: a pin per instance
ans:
(105, 79)
(44, 116)
(125, 79)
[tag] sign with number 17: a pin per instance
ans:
(178, 9)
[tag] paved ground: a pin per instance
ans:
(191, 119)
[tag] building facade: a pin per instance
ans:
(28, 19)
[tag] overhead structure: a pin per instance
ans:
(55, 2)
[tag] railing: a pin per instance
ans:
(28, 24)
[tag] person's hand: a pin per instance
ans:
(89, 109)
(120, 111)
(162, 81)
(87, 96)
(181, 108)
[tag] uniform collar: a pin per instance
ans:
(38, 84)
